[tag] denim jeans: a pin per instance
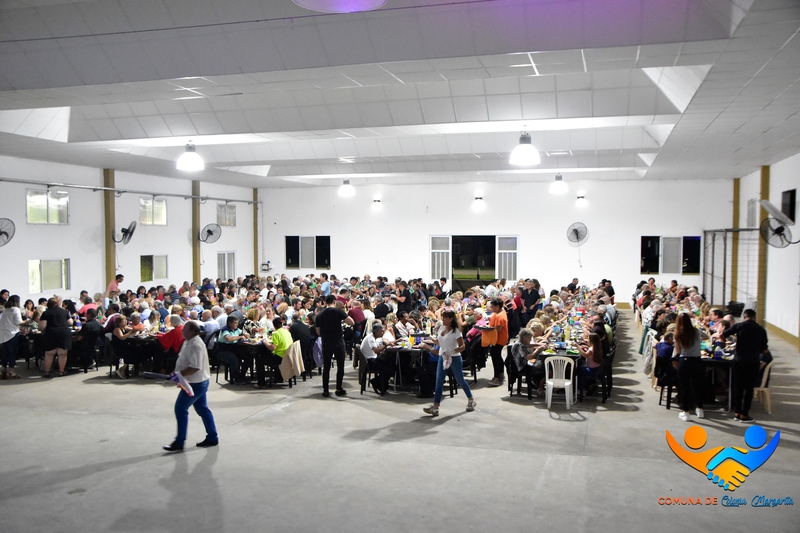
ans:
(182, 405)
(441, 374)
(9, 351)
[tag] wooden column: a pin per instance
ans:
(195, 232)
(735, 241)
(255, 232)
(109, 222)
(761, 293)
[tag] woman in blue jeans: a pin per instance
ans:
(193, 366)
(451, 344)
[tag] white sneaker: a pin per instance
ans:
(699, 412)
(683, 415)
(432, 410)
(471, 405)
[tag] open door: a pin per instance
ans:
(506, 262)
(441, 261)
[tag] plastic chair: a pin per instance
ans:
(556, 368)
(365, 374)
(762, 393)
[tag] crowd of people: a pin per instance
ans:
(683, 322)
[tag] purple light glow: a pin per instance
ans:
(340, 6)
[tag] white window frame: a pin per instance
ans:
(47, 194)
(441, 260)
(36, 275)
(661, 255)
(507, 258)
(155, 276)
(147, 214)
(226, 214)
(226, 265)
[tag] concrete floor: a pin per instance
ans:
(82, 453)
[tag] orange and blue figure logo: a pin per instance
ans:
(725, 466)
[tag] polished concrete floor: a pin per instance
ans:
(82, 453)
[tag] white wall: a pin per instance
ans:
(783, 264)
(395, 241)
(82, 239)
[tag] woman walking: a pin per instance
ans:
(451, 344)
(689, 365)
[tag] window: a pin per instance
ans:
(48, 275)
(670, 255)
(226, 214)
(48, 207)
(226, 265)
(152, 212)
(152, 267)
(651, 253)
(789, 203)
(506, 262)
(308, 252)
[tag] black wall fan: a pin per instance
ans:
(577, 234)
(7, 230)
(775, 229)
(127, 234)
(210, 234)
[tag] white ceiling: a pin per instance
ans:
(274, 95)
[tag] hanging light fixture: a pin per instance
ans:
(581, 201)
(190, 160)
(524, 155)
(340, 6)
(559, 186)
(346, 190)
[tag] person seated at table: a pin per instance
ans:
(122, 348)
(390, 333)
(152, 324)
(209, 324)
(170, 342)
(267, 316)
(526, 361)
(136, 323)
(371, 347)
(405, 326)
(251, 325)
(90, 332)
(663, 363)
(88, 303)
(231, 334)
(276, 346)
(593, 354)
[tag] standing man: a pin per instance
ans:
(113, 286)
(751, 343)
(499, 321)
(445, 288)
(573, 287)
(530, 299)
(329, 327)
(193, 366)
(325, 288)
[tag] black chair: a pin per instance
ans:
(665, 379)
(365, 374)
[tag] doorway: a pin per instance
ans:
(474, 257)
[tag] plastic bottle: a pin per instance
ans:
(77, 323)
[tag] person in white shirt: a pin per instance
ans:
(222, 319)
(192, 364)
(209, 324)
(371, 346)
(451, 344)
(491, 290)
(10, 320)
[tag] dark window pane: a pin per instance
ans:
(789, 203)
(323, 252)
(292, 252)
(650, 255)
(691, 255)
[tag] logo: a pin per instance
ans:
(725, 466)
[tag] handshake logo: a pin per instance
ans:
(725, 466)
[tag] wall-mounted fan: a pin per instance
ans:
(127, 234)
(209, 234)
(7, 230)
(775, 229)
(577, 234)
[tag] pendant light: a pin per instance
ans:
(340, 6)
(346, 190)
(524, 155)
(190, 160)
(559, 186)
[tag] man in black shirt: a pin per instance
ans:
(329, 327)
(90, 332)
(301, 332)
(383, 308)
(573, 287)
(751, 342)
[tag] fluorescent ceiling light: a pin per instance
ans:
(190, 160)
(559, 186)
(346, 190)
(524, 155)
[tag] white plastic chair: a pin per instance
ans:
(556, 370)
(762, 392)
